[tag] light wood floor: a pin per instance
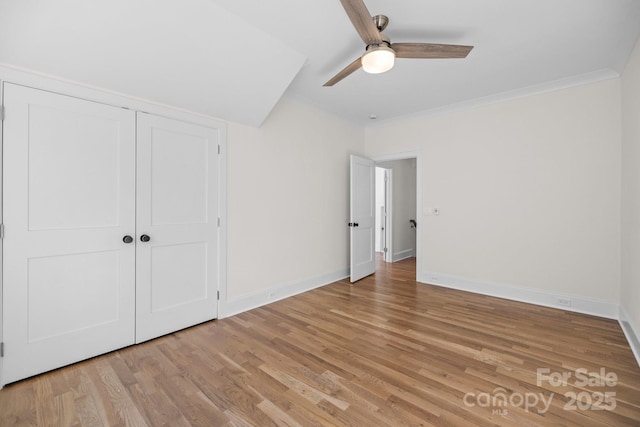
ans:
(386, 351)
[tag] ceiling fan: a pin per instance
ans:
(380, 53)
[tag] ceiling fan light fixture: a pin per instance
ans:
(378, 59)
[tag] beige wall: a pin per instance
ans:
(630, 293)
(528, 190)
(288, 189)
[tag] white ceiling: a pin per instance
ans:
(517, 44)
(236, 62)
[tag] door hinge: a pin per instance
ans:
(218, 222)
(218, 295)
(385, 250)
(1, 113)
(1, 349)
(218, 148)
(1, 231)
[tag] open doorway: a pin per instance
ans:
(402, 205)
(396, 209)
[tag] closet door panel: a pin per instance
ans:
(177, 208)
(69, 198)
(179, 177)
(192, 275)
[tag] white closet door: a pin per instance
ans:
(177, 208)
(68, 277)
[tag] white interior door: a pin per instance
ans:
(177, 208)
(69, 198)
(362, 217)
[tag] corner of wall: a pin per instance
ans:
(275, 293)
(630, 201)
(632, 335)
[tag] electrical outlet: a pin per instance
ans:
(431, 211)
(564, 302)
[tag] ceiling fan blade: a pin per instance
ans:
(362, 20)
(430, 50)
(345, 72)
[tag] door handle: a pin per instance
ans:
(353, 224)
(144, 238)
(127, 239)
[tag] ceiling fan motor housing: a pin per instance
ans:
(386, 41)
(381, 22)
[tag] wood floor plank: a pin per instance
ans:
(386, 351)
(66, 410)
(127, 413)
(46, 410)
(20, 408)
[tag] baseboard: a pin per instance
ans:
(398, 256)
(578, 304)
(632, 335)
(276, 293)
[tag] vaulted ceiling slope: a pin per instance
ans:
(234, 59)
(191, 54)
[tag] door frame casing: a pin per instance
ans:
(403, 156)
(37, 80)
(386, 216)
(388, 229)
